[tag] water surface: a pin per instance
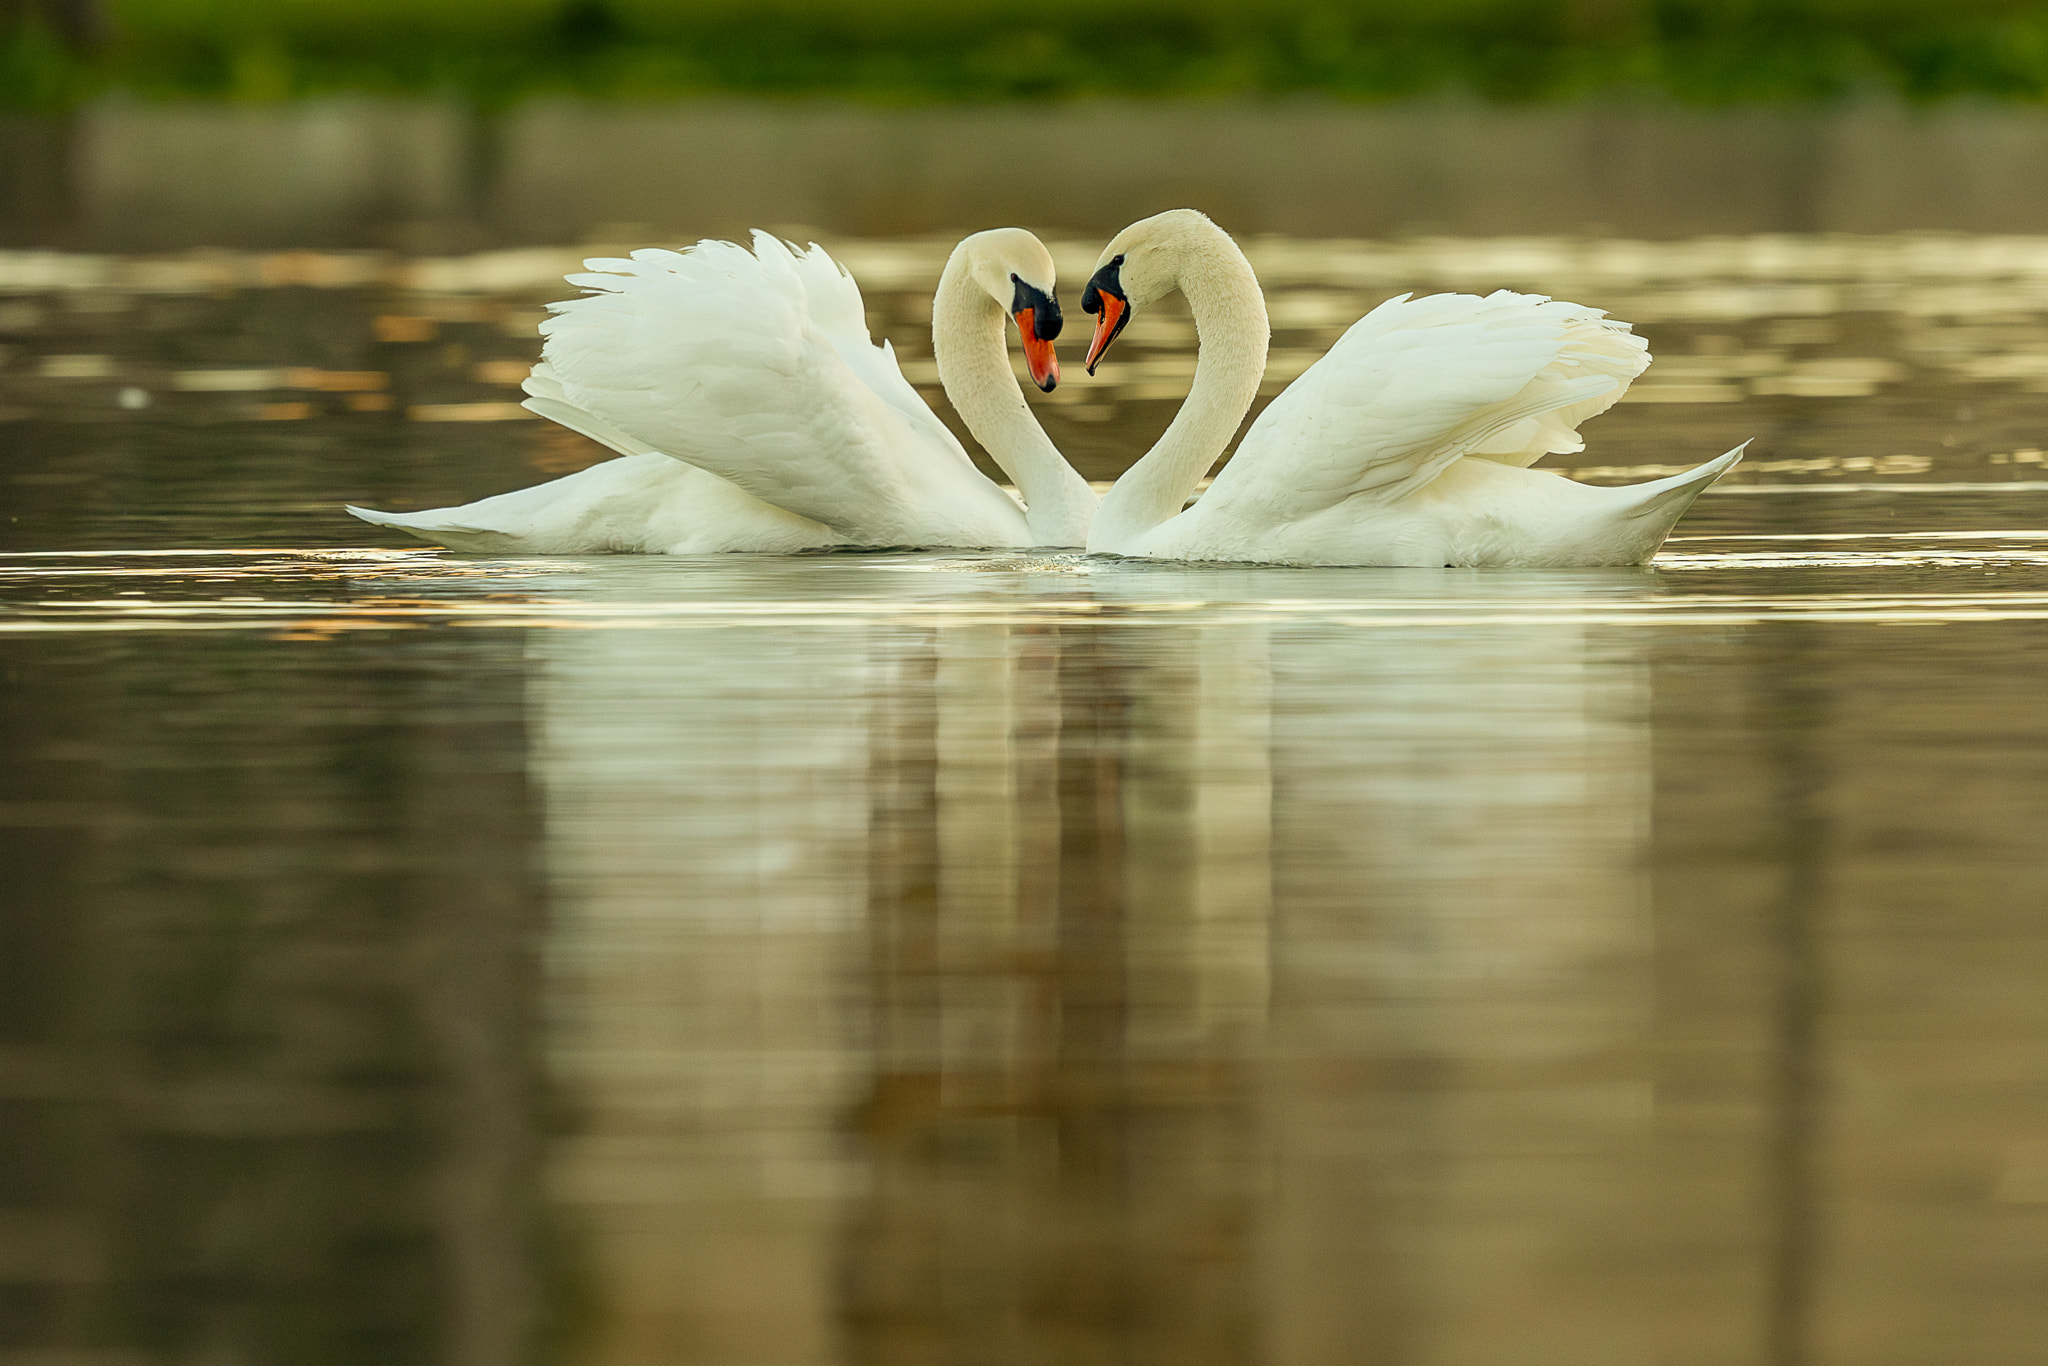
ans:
(915, 958)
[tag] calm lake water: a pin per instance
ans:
(908, 959)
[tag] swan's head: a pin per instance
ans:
(1141, 265)
(1017, 271)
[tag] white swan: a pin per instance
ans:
(1405, 445)
(789, 429)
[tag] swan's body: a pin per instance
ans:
(789, 429)
(1408, 444)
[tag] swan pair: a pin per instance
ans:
(1408, 444)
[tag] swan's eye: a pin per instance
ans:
(1119, 259)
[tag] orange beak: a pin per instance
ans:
(1038, 355)
(1108, 323)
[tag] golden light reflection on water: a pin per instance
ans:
(1691, 583)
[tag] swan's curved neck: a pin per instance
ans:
(1232, 333)
(974, 366)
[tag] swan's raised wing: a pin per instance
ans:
(757, 366)
(1419, 383)
(840, 316)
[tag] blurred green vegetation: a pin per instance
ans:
(501, 50)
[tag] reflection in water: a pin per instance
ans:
(1464, 993)
(910, 958)
(1207, 992)
(1060, 1114)
(707, 845)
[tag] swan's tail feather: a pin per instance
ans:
(1656, 506)
(1676, 492)
(403, 521)
(435, 528)
(458, 528)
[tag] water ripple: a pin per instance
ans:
(1899, 578)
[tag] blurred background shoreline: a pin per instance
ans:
(145, 125)
(441, 175)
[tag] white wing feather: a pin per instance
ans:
(757, 366)
(841, 318)
(1419, 383)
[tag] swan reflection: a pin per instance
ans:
(1157, 976)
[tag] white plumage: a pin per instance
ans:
(757, 367)
(1407, 444)
(753, 375)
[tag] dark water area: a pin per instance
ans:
(916, 958)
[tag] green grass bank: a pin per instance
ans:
(498, 51)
